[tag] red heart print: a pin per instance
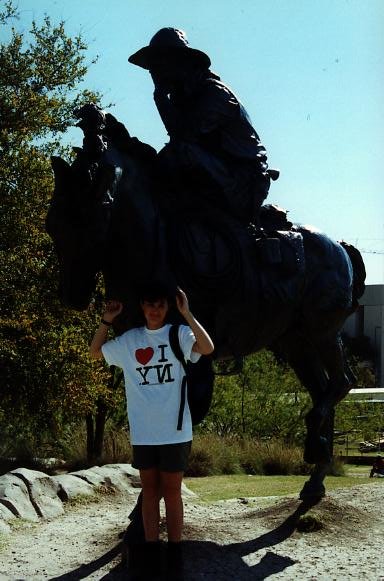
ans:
(144, 355)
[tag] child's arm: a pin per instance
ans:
(112, 309)
(204, 344)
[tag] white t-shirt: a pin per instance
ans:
(153, 379)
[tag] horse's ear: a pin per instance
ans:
(61, 170)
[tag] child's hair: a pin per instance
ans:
(154, 290)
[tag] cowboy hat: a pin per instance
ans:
(165, 41)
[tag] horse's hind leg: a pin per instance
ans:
(340, 375)
(339, 381)
(305, 360)
(324, 372)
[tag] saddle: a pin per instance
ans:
(215, 254)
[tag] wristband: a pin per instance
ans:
(104, 322)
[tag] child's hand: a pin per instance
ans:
(112, 309)
(182, 302)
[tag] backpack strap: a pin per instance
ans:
(175, 346)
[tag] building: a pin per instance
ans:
(368, 321)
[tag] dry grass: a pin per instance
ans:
(212, 454)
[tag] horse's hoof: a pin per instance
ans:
(317, 452)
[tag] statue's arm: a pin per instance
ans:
(214, 106)
(169, 114)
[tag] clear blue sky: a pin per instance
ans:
(309, 72)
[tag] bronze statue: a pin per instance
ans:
(293, 301)
(213, 147)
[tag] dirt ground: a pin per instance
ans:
(241, 539)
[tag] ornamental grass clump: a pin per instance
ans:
(200, 463)
(117, 448)
(272, 457)
(214, 455)
(279, 458)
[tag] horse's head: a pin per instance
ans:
(77, 221)
(102, 216)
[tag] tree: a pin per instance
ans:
(47, 377)
(264, 400)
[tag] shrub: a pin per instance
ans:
(337, 467)
(213, 455)
(250, 459)
(117, 447)
(200, 463)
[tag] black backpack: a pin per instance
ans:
(198, 376)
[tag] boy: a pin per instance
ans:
(153, 377)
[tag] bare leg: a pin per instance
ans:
(171, 489)
(150, 481)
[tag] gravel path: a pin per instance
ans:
(242, 539)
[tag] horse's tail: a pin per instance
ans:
(359, 272)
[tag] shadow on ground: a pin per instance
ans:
(210, 560)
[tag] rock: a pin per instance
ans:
(30, 494)
(5, 529)
(117, 477)
(131, 472)
(185, 491)
(43, 492)
(5, 516)
(50, 462)
(92, 477)
(5, 513)
(14, 496)
(71, 486)
(134, 476)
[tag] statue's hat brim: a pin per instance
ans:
(145, 56)
(168, 42)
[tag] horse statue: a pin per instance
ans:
(288, 290)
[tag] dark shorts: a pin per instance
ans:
(164, 457)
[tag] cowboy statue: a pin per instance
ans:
(211, 136)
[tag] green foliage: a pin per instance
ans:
(47, 377)
(265, 400)
(72, 446)
(355, 413)
(362, 417)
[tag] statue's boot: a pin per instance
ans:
(145, 562)
(134, 533)
(174, 562)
